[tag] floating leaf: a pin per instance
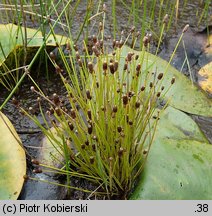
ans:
(184, 96)
(12, 37)
(176, 125)
(51, 153)
(205, 78)
(12, 56)
(12, 161)
(179, 163)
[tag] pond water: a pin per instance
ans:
(195, 40)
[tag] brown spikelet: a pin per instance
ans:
(34, 161)
(115, 109)
(89, 114)
(104, 66)
(73, 114)
(142, 88)
(90, 129)
(173, 80)
(160, 76)
(88, 94)
(137, 104)
(91, 159)
(125, 99)
(90, 67)
(112, 69)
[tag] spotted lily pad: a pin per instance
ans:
(12, 161)
(179, 163)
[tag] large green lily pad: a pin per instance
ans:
(183, 94)
(12, 161)
(179, 165)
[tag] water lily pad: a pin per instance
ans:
(12, 161)
(12, 56)
(184, 95)
(51, 153)
(12, 37)
(180, 162)
(176, 125)
(205, 78)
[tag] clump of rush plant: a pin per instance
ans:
(106, 125)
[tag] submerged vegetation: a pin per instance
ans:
(104, 128)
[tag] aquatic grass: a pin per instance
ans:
(86, 21)
(114, 18)
(8, 75)
(147, 17)
(28, 67)
(205, 12)
(177, 11)
(106, 131)
(188, 64)
(40, 13)
(41, 16)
